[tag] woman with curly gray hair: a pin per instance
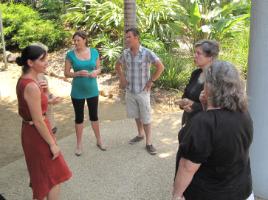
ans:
(213, 156)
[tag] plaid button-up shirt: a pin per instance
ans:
(137, 68)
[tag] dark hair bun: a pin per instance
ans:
(19, 61)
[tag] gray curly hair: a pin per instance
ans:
(225, 86)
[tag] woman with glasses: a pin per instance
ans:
(206, 51)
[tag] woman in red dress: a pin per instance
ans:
(45, 163)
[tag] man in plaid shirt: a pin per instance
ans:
(133, 69)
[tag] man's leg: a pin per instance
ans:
(149, 147)
(145, 114)
(133, 112)
(148, 134)
(140, 128)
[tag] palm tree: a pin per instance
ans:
(129, 14)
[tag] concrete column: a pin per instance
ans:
(258, 95)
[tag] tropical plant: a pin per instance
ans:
(177, 70)
(103, 21)
(23, 26)
(159, 18)
(215, 19)
(51, 9)
(163, 25)
(235, 50)
(109, 51)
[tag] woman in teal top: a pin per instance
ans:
(85, 65)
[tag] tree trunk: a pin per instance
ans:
(3, 42)
(129, 15)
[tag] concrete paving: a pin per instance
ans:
(124, 172)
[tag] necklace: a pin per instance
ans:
(83, 54)
(214, 108)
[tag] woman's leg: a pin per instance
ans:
(96, 129)
(79, 132)
(54, 193)
(78, 105)
(92, 104)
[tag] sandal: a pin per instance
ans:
(78, 152)
(101, 147)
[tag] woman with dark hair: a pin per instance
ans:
(213, 156)
(206, 51)
(45, 163)
(85, 65)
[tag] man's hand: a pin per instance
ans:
(123, 82)
(148, 86)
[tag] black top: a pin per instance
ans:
(192, 92)
(220, 141)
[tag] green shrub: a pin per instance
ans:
(23, 26)
(177, 71)
(51, 9)
(235, 50)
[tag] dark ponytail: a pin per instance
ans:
(31, 52)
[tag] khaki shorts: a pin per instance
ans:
(138, 106)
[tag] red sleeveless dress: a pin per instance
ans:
(44, 172)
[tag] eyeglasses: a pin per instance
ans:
(199, 53)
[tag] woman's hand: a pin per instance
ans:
(186, 104)
(55, 150)
(81, 73)
(203, 99)
(43, 84)
(93, 74)
(55, 100)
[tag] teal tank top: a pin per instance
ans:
(84, 87)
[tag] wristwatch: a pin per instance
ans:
(152, 80)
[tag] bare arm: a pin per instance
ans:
(97, 71)
(67, 70)
(83, 73)
(159, 69)
(32, 96)
(120, 73)
(184, 176)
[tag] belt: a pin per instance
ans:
(31, 122)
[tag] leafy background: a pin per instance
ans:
(168, 27)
